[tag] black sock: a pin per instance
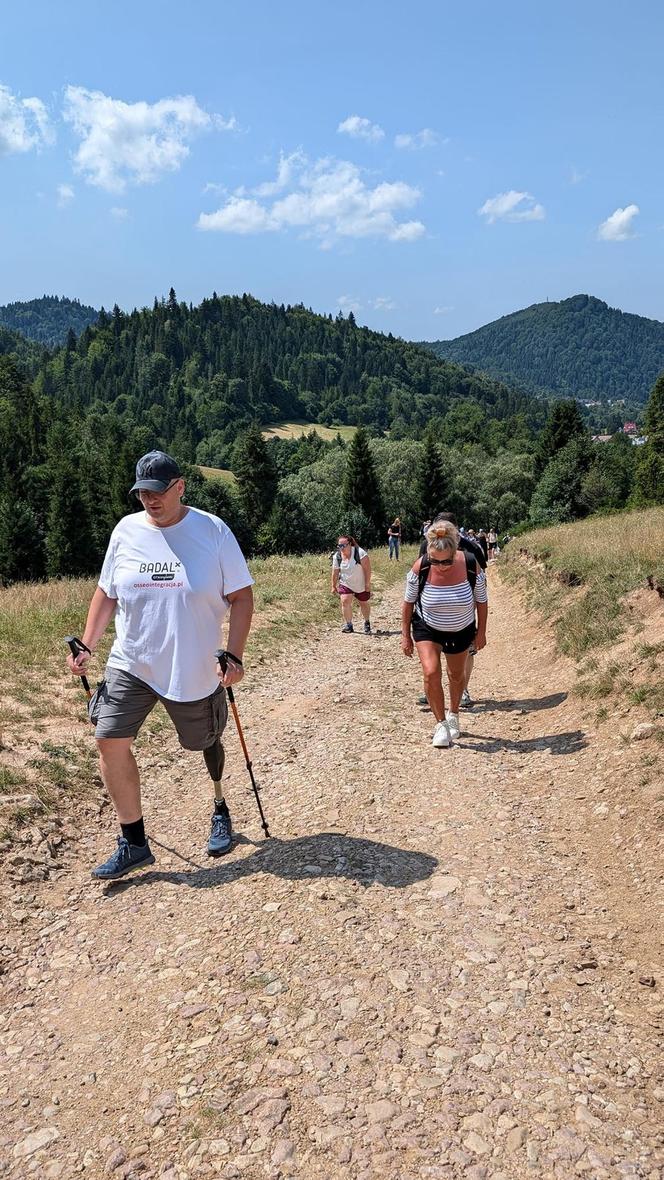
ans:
(134, 833)
(220, 807)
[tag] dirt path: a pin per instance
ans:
(431, 970)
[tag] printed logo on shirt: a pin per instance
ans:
(162, 571)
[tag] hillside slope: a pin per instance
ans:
(192, 372)
(579, 347)
(47, 320)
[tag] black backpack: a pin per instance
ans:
(423, 575)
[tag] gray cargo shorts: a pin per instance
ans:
(122, 702)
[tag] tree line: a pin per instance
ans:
(67, 459)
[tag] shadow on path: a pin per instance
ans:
(328, 854)
(528, 705)
(558, 743)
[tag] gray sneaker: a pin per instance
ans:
(466, 700)
(221, 833)
(125, 859)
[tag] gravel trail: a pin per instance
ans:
(443, 964)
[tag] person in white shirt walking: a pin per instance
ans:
(351, 578)
(169, 577)
(444, 589)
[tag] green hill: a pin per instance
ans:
(47, 320)
(579, 347)
(198, 376)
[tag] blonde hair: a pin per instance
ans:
(443, 536)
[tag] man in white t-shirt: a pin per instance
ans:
(169, 576)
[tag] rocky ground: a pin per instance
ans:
(443, 964)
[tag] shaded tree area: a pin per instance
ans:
(48, 320)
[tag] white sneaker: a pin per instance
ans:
(441, 736)
(452, 720)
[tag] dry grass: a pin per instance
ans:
(221, 473)
(297, 429)
(579, 576)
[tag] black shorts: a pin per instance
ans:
(452, 642)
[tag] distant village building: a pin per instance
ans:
(630, 428)
(602, 437)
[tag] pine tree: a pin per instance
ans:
(71, 550)
(649, 480)
(256, 476)
(360, 487)
(21, 542)
(433, 487)
(562, 425)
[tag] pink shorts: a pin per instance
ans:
(361, 595)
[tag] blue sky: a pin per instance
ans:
(431, 165)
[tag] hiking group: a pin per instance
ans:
(171, 574)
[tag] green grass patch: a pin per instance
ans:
(579, 574)
(297, 429)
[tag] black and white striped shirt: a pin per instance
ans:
(447, 608)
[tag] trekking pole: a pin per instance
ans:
(76, 646)
(223, 662)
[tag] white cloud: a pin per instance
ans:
(65, 195)
(442, 310)
(383, 303)
(618, 227)
(328, 199)
(133, 142)
(512, 206)
(419, 139)
(24, 123)
(347, 303)
(119, 213)
(360, 128)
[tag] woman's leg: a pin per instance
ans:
(365, 607)
(456, 673)
(347, 607)
(429, 654)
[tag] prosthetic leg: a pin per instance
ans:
(221, 831)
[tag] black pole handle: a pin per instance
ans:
(76, 646)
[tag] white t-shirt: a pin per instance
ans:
(351, 573)
(170, 584)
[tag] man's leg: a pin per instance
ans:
(120, 776)
(466, 701)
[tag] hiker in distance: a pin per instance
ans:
(394, 538)
(351, 578)
(443, 590)
(169, 576)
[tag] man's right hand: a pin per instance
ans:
(78, 666)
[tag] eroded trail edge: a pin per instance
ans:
(440, 966)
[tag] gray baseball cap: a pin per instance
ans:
(155, 471)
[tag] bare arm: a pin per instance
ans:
(239, 622)
(366, 566)
(406, 620)
(100, 613)
(482, 615)
(336, 570)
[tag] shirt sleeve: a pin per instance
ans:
(234, 569)
(362, 552)
(412, 586)
(107, 575)
(481, 594)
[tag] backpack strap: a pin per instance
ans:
(471, 568)
(422, 579)
(356, 554)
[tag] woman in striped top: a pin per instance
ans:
(442, 619)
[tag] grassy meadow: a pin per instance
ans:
(580, 577)
(297, 429)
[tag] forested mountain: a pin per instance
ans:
(199, 376)
(579, 347)
(28, 354)
(49, 319)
